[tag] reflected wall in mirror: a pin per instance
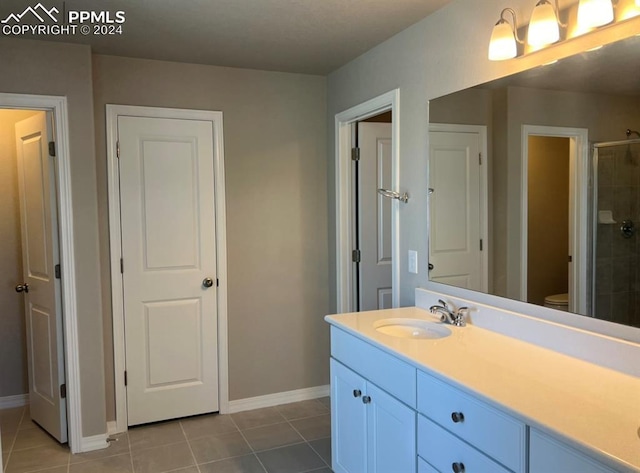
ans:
(536, 185)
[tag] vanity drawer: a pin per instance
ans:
(497, 434)
(382, 369)
(447, 453)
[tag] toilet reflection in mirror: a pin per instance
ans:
(549, 216)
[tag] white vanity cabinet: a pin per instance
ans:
(548, 454)
(458, 433)
(372, 431)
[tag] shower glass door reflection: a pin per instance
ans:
(616, 280)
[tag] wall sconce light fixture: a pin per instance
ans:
(594, 13)
(504, 38)
(544, 27)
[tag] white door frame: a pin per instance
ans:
(578, 209)
(344, 194)
(481, 131)
(117, 288)
(58, 105)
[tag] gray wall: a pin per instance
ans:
(31, 67)
(275, 160)
(13, 347)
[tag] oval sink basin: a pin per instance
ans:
(411, 328)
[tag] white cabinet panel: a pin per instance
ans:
(392, 433)
(348, 420)
(547, 454)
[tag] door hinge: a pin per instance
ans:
(125, 378)
(356, 256)
(57, 271)
(355, 154)
(52, 148)
(217, 282)
(63, 391)
(118, 149)
(480, 158)
(481, 244)
(121, 266)
(570, 259)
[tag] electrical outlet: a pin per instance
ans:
(413, 262)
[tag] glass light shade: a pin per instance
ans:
(594, 13)
(503, 42)
(543, 27)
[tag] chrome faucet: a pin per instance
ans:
(449, 315)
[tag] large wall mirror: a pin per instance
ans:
(535, 185)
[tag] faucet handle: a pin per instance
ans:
(461, 314)
(444, 304)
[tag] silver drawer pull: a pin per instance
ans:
(366, 399)
(457, 417)
(357, 393)
(457, 467)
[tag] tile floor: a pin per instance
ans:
(292, 438)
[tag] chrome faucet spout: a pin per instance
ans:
(449, 316)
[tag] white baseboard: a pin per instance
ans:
(9, 402)
(95, 442)
(277, 399)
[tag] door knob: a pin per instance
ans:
(207, 282)
(22, 287)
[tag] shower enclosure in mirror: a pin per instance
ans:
(535, 185)
(616, 276)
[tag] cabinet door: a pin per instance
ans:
(391, 433)
(348, 420)
(547, 454)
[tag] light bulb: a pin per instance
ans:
(543, 27)
(594, 13)
(503, 42)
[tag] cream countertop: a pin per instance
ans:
(594, 408)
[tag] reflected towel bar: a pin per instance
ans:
(394, 195)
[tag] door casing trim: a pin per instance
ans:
(58, 105)
(344, 195)
(117, 288)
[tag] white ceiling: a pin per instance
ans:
(306, 36)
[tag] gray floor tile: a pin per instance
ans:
(218, 447)
(161, 459)
(202, 426)
(117, 464)
(191, 469)
(323, 448)
(322, 470)
(326, 402)
(31, 438)
(118, 447)
(10, 419)
(313, 428)
(38, 458)
(272, 436)
(299, 410)
(155, 435)
(257, 418)
(292, 459)
(27, 423)
(244, 464)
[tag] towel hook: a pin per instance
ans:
(394, 195)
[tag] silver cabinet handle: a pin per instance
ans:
(207, 282)
(366, 399)
(24, 287)
(457, 417)
(357, 393)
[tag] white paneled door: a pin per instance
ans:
(41, 288)
(456, 210)
(169, 267)
(374, 141)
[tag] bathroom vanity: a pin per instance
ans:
(410, 394)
